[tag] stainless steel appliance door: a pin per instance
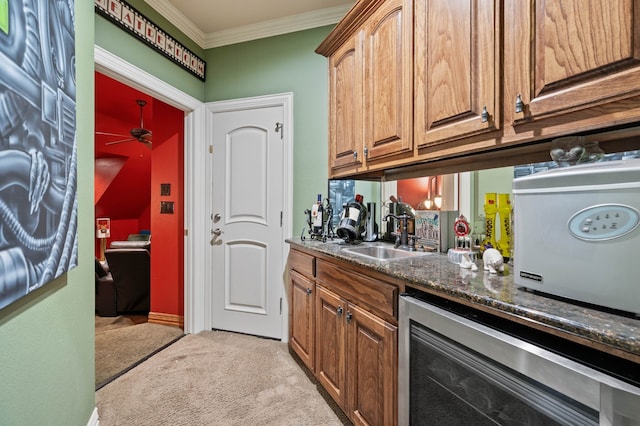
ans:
(529, 372)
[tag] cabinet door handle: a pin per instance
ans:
(355, 155)
(308, 291)
(485, 114)
(519, 104)
(366, 152)
(339, 310)
(349, 316)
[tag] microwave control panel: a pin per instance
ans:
(604, 222)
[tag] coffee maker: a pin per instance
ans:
(353, 220)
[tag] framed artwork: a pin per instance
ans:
(38, 173)
(427, 227)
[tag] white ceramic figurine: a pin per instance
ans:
(493, 261)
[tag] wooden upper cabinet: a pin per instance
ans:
(571, 58)
(345, 106)
(388, 73)
(456, 70)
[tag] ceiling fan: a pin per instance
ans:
(139, 134)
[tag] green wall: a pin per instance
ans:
(47, 338)
(127, 47)
(281, 64)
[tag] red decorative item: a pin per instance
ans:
(461, 227)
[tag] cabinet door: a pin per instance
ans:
(455, 70)
(331, 344)
(388, 82)
(345, 107)
(372, 365)
(569, 56)
(301, 318)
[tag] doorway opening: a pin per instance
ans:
(135, 180)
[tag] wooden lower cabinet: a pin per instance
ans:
(331, 344)
(343, 326)
(302, 318)
(372, 368)
(356, 359)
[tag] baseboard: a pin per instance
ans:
(166, 319)
(93, 420)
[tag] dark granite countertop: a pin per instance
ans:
(498, 291)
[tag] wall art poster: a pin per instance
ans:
(427, 227)
(38, 204)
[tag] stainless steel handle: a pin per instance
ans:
(309, 291)
(366, 152)
(339, 310)
(349, 316)
(485, 114)
(355, 155)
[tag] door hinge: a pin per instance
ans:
(210, 149)
(281, 306)
(281, 219)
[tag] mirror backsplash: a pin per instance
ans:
(447, 196)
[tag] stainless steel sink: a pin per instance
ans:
(383, 252)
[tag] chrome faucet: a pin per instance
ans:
(402, 240)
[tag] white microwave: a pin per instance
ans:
(577, 234)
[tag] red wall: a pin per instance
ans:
(412, 191)
(167, 230)
(127, 184)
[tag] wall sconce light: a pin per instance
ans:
(434, 191)
(437, 200)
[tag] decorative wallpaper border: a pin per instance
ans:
(122, 14)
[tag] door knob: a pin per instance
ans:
(216, 217)
(216, 233)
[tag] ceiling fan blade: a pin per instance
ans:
(110, 134)
(120, 141)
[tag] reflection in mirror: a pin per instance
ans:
(447, 195)
(440, 200)
(343, 191)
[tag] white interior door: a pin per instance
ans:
(247, 211)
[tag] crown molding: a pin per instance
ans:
(288, 24)
(274, 27)
(184, 24)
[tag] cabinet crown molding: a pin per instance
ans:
(348, 26)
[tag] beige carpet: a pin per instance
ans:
(216, 378)
(121, 344)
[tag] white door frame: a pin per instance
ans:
(284, 100)
(197, 309)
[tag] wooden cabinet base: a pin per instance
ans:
(343, 328)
